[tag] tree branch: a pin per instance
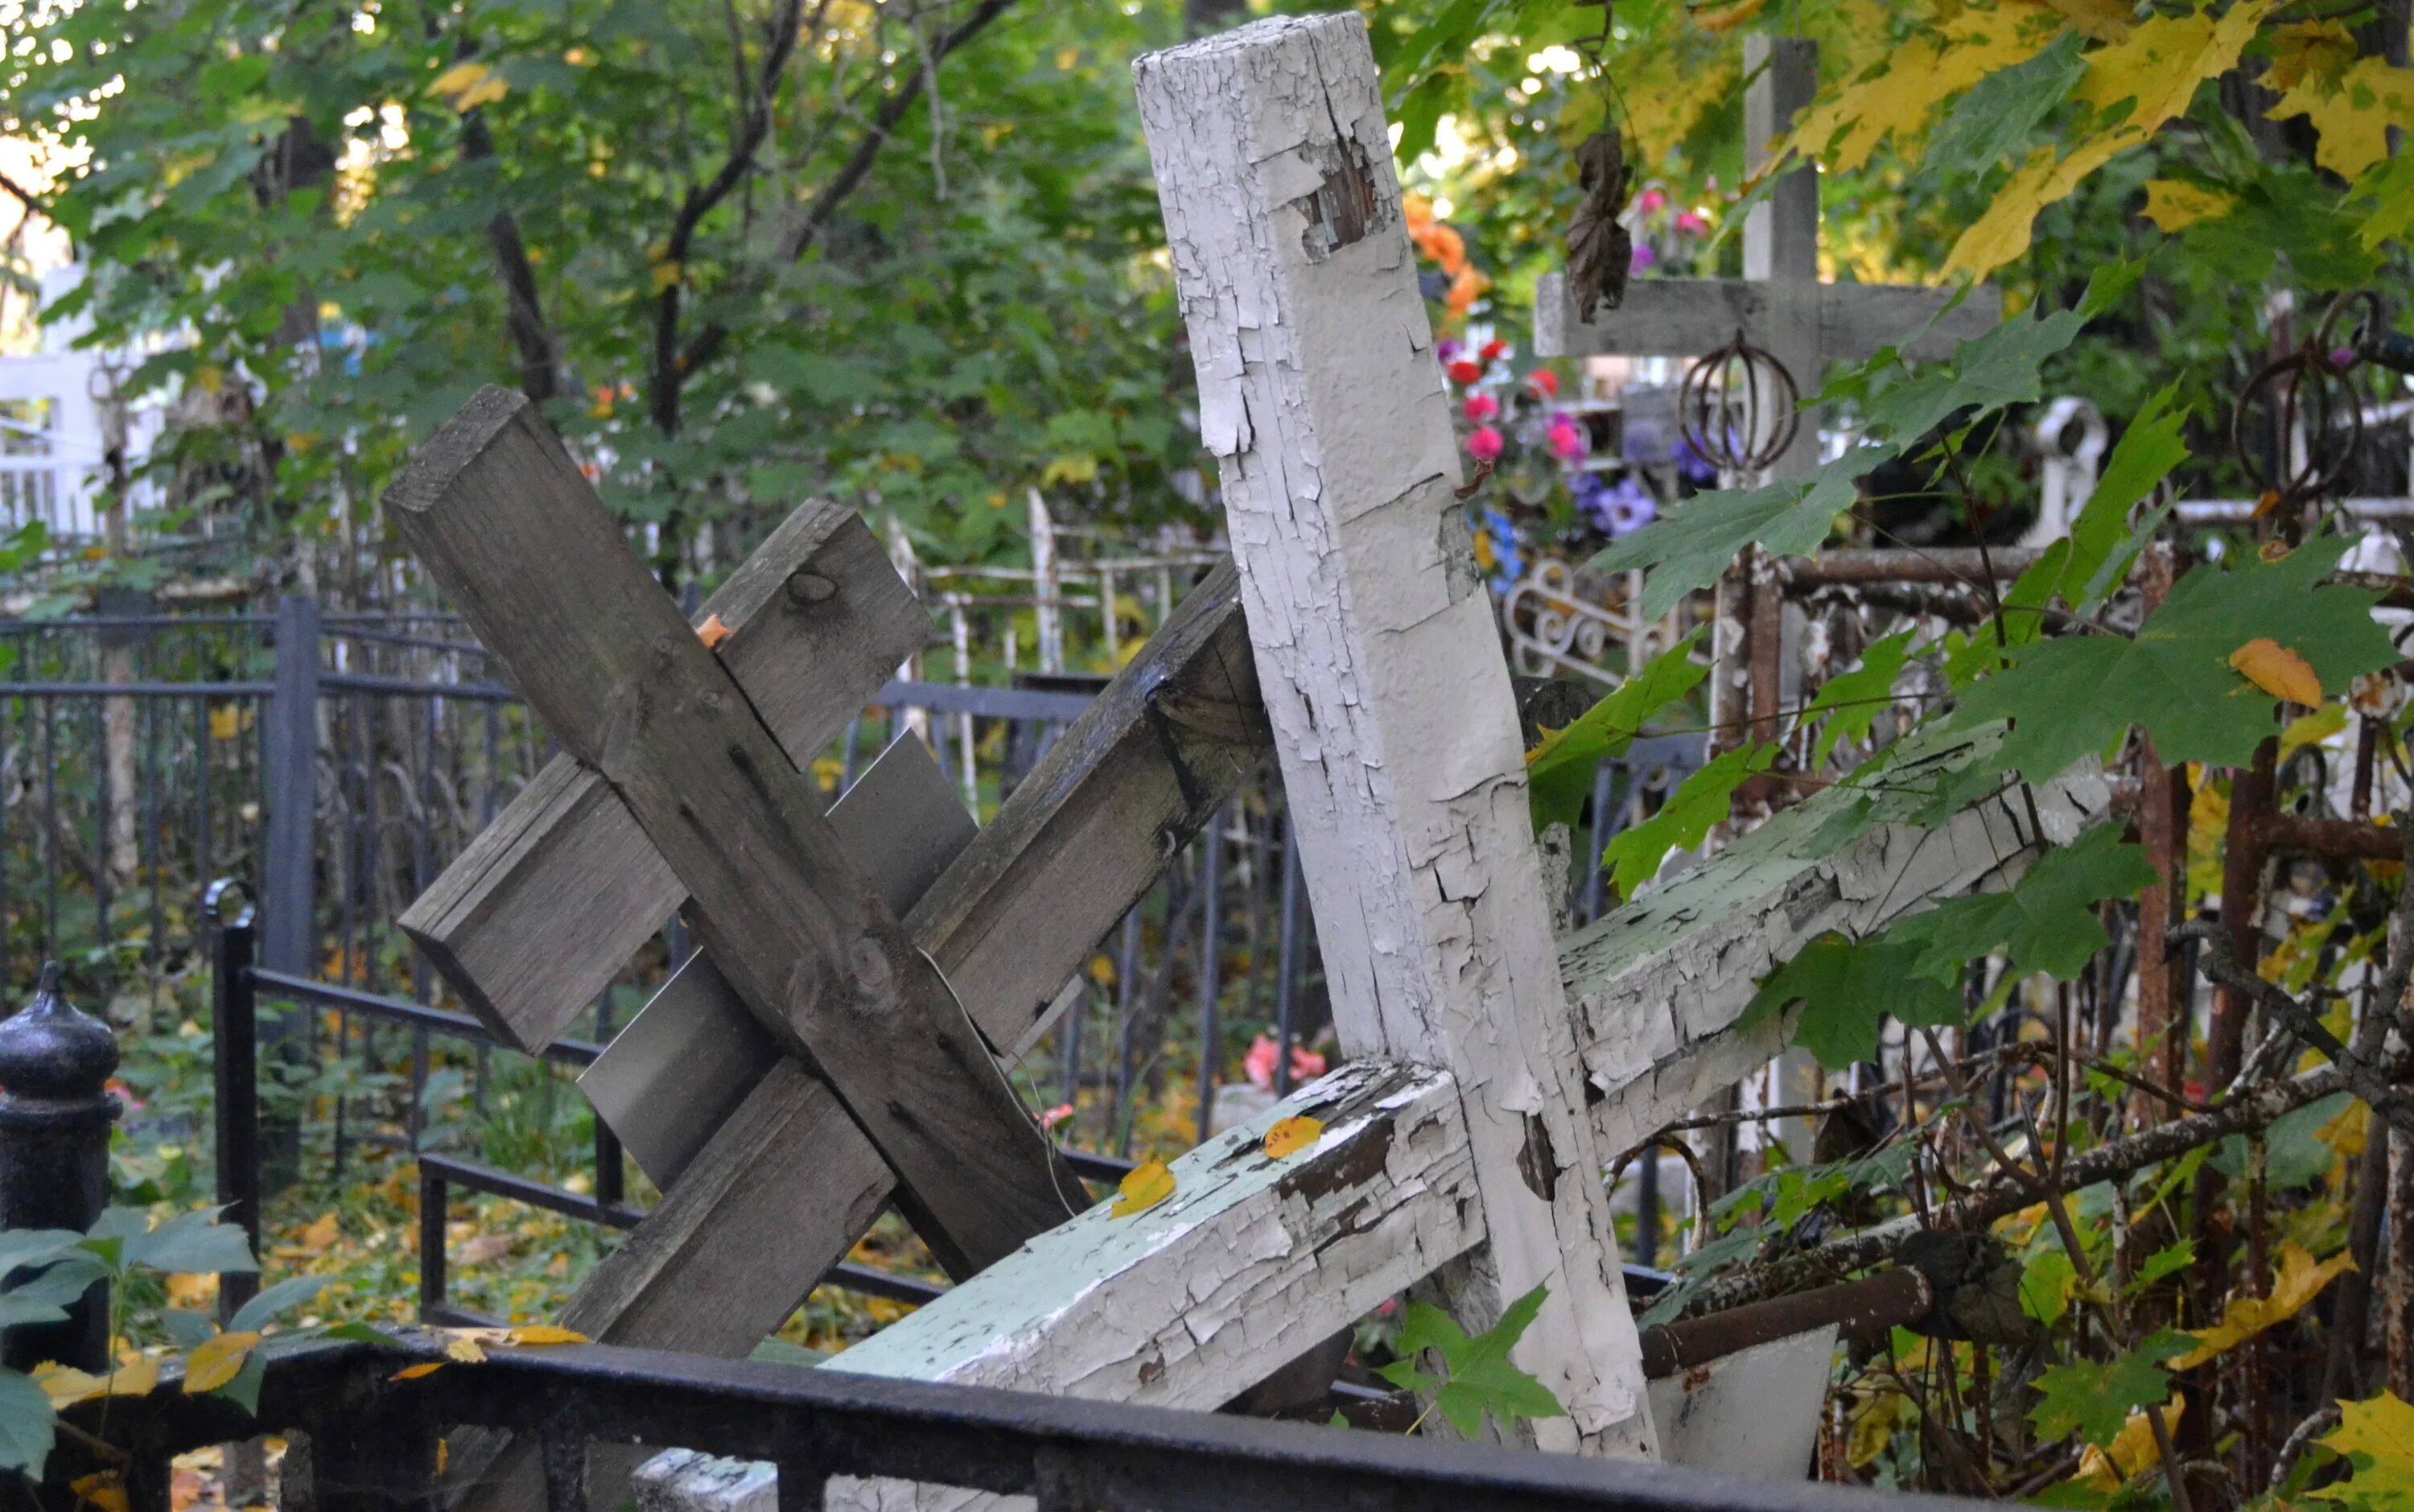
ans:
(851, 175)
(670, 370)
(540, 365)
(2363, 1078)
(23, 196)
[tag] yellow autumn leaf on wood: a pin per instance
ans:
(2379, 1433)
(65, 1385)
(134, 1379)
(216, 1361)
(2277, 670)
(468, 1351)
(2173, 206)
(546, 1333)
(102, 1489)
(1146, 1186)
(712, 632)
(2301, 1280)
(425, 1368)
(1290, 1135)
(2133, 1451)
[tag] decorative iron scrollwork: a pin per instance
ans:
(2307, 393)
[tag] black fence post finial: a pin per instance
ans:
(56, 1111)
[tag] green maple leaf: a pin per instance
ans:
(1480, 1378)
(1633, 854)
(2046, 922)
(1846, 989)
(1690, 545)
(2094, 1399)
(1560, 769)
(1855, 697)
(1994, 119)
(2077, 695)
(2101, 540)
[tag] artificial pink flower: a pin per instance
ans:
(1650, 201)
(1566, 437)
(1259, 1064)
(1545, 381)
(1463, 371)
(1482, 407)
(1055, 1115)
(1691, 224)
(1484, 443)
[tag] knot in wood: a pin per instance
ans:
(809, 587)
(874, 975)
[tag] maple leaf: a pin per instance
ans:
(1635, 853)
(1846, 990)
(1147, 1185)
(1922, 73)
(2377, 1438)
(2077, 695)
(2133, 1450)
(2173, 205)
(1480, 1378)
(2299, 1281)
(1854, 700)
(2094, 1399)
(2352, 108)
(1560, 769)
(1996, 117)
(217, 1361)
(468, 1351)
(2102, 542)
(2046, 922)
(1688, 548)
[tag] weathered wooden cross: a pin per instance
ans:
(1779, 303)
(1492, 1072)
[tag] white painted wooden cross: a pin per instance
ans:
(1492, 1071)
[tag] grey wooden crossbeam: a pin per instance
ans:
(786, 1186)
(507, 524)
(1686, 317)
(549, 900)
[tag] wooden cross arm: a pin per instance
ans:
(507, 524)
(784, 1189)
(1688, 317)
(532, 921)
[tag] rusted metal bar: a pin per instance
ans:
(1942, 564)
(1862, 1311)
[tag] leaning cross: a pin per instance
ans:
(819, 958)
(1779, 303)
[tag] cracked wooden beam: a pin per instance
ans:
(1379, 662)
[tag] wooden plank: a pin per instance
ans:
(1657, 985)
(1379, 661)
(544, 906)
(1686, 317)
(1249, 1263)
(502, 518)
(783, 1190)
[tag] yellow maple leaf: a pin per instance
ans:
(102, 1489)
(2352, 112)
(1920, 76)
(2159, 64)
(2003, 232)
(2383, 1430)
(2277, 670)
(1289, 1136)
(546, 1333)
(468, 1351)
(425, 1368)
(2133, 1451)
(323, 1232)
(216, 1361)
(1147, 1185)
(2173, 206)
(2301, 1280)
(2313, 51)
(2101, 20)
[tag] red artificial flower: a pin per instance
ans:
(1463, 371)
(1544, 383)
(1493, 350)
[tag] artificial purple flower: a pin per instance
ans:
(1447, 350)
(1642, 258)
